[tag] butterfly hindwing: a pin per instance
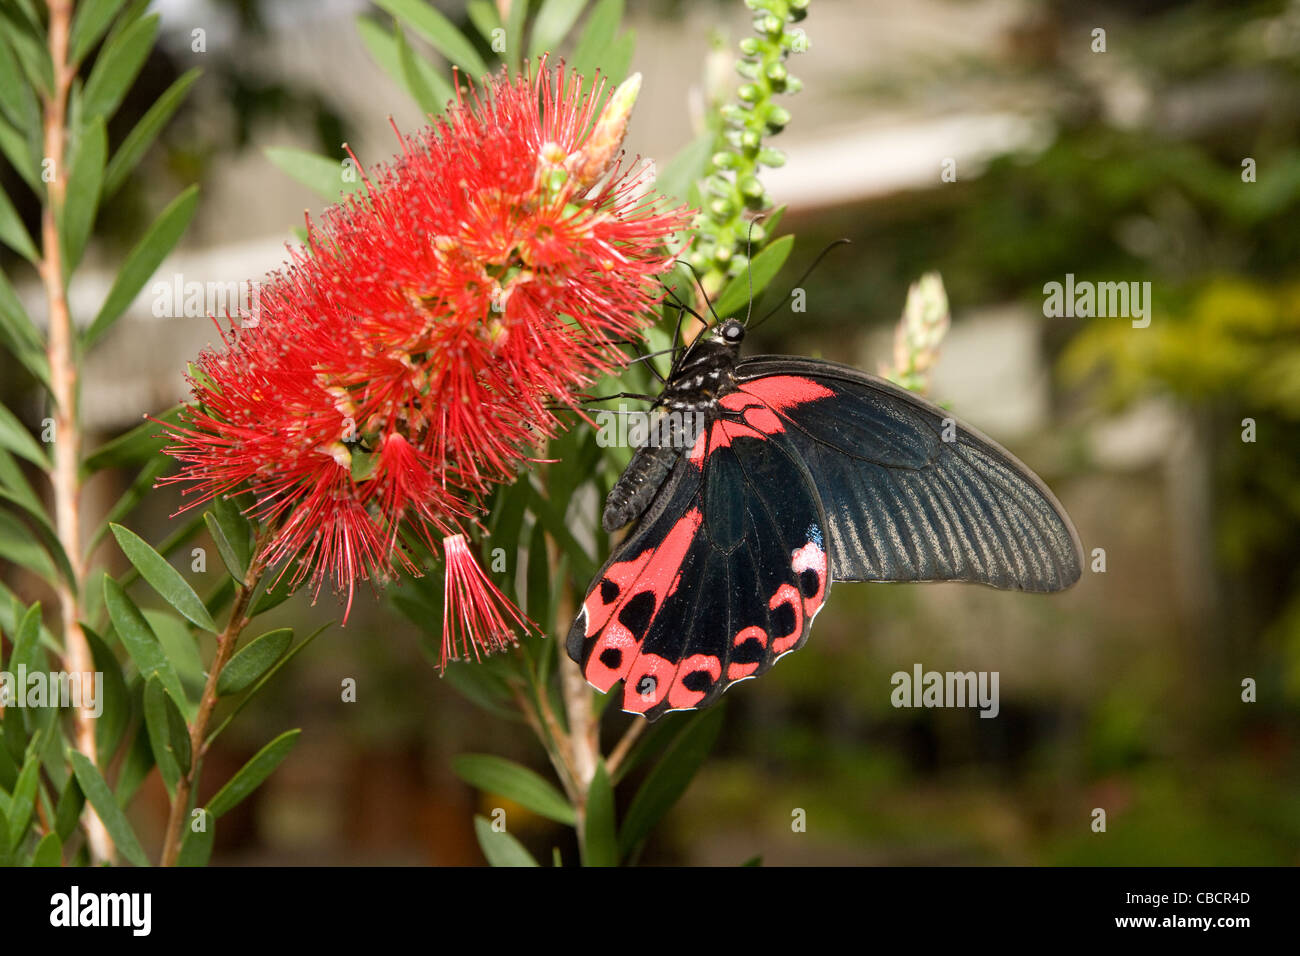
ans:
(720, 578)
(911, 494)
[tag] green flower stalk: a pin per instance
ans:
(732, 191)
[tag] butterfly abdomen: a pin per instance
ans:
(636, 488)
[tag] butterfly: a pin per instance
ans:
(784, 475)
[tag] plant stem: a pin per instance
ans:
(624, 745)
(584, 729)
(65, 478)
(226, 644)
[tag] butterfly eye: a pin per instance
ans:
(733, 333)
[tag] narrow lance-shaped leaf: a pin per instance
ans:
(116, 68)
(670, 777)
(425, 20)
(143, 261)
(597, 37)
(251, 775)
(552, 24)
(13, 233)
(85, 179)
(101, 798)
(762, 268)
(196, 846)
(138, 445)
(508, 779)
(49, 852)
(322, 175)
(139, 639)
(167, 733)
(600, 843)
(89, 22)
(163, 578)
(253, 660)
(426, 87)
(499, 847)
(15, 437)
(145, 131)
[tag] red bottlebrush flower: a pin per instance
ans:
(476, 616)
(403, 362)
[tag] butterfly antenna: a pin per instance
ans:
(798, 282)
(703, 295)
(749, 267)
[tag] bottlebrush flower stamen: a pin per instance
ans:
(410, 357)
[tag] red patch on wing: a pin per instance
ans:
(788, 594)
(647, 682)
(736, 670)
(681, 697)
(655, 570)
(786, 391)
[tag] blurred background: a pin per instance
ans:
(1125, 693)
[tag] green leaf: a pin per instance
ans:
(618, 58)
(135, 766)
(85, 179)
(558, 528)
(600, 843)
(763, 267)
(17, 149)
(430, 97)
(253, 660)
(116, 707)
(168, 735)
(15, 437)
(91, 19)
(179, 646)
(27, 40)
(670, 777)
(552, 24)
(322, 175)
(163, 578)
(15, 488)
(597, 37)
(485, 17)
(251, 775)
(49, 852)
(196, 846)
(230, 533)
(19, 335)
(515, 21)
(144, 259)
(139, 639)
(510, 780)
(23, 799)
(145, 131)
(101, 798)
(116, 68)
(439, 32)
(134, 447)
(13, 233)
(16, 98)
(18, 545)
(68, 810)
(499, 847)
(539, 581)
(262, 683)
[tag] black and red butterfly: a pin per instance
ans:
(800, 473)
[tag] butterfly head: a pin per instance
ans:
(730, 333)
